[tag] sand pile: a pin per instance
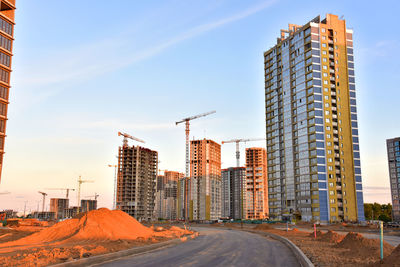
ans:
(262, 227)
(331, 237)
(102, 224)
(363, 247)
(319, 234)
(392, 260)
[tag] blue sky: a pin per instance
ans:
(84, 70)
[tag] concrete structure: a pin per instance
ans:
(182, 195)
(71, 212)
(7, 11)
(10, 213)
(58, 206)
(136, 181)
(205, 180)
(311, 122)
(88, 205)
(393, 150)
(44, 215)
(233, 192)
(166, 195)
(256, 183)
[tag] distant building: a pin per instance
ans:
(204, 184)
(10, 214)
(233, 194)
(88, 205)
(71, 212)
(393, 150)
(136, 181)
(183, 198)
(166, 195)
(7, 11)
(44, 215)
(311, 123)
(58, 206)
(256, 183)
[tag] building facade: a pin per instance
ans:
(256, 183)
(205, 180)
(393, 150)
(167, 195)
(311, 124)
(58, 206)
(136, 181)
(7, 11)
(233, 194)
(88, 205)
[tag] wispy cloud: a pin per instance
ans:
(91, 61)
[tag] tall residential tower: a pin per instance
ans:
(7, 10)
(233, 194)
(393, 150)
(311, 122)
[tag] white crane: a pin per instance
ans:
(126, 136)
(187, 131)
(44, 199)
(66, 190)
(237, 141)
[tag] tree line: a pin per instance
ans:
(377, 211)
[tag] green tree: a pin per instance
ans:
(377, 211)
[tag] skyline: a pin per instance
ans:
(219, 33)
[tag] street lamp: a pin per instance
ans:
(115, 183)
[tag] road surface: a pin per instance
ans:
(216, 247)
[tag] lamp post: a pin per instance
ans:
(115, 184)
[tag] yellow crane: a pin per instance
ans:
(237, 141)
(80, 182)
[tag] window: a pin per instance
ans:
(327, 120)
(6, 26)
(332, 201)
(4, 59)
(324, 67)
(327, 112)
(323, 29)
(324, 52)
(326, 89)
(331, 193)
(4, 92)
(325, 74)
(326, 97)
(323, 44)
(5, 43)
(4, 76)
(328, 136)
(324, 59)
(330, 159)
(323, 37)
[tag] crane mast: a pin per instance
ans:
(237, 141)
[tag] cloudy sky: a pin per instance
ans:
(84, 70)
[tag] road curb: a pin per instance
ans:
(119, 254)
(303, 259)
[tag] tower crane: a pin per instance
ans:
(44, 199)
(187, 130)
(95, 196)
(66, 190)
(80, 182)
(237, 141)
(126, 136)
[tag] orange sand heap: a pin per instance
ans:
(391, 260)
(101, 224)
(331, 237)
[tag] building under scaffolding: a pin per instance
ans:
(58, 206)
(136, 181)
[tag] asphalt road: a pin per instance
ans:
(216, 247)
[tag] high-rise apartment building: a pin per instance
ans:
(311, 123)
(7, 11)
(136, 181)
(166, 195)
(233, 194)
(256, 183)
(205, 180)
(58, 206)
(393, 150)
(88, 205)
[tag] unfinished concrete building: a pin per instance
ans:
(88, 205)
(58, 206)
(233, 194)
(136, 181)
(166, 196)
(256, 183)
(205, 180)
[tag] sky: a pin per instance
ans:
(84, 70)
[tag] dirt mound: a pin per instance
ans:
(101, 224)
(364, 247)
(262, 227)
(331, 237)
(319, 234)
(392, 259)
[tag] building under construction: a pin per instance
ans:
(205, 180)
(136, 181)
(233, 192)
(88, 205)
(58, 206)
(166, 196)
(256, 183)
